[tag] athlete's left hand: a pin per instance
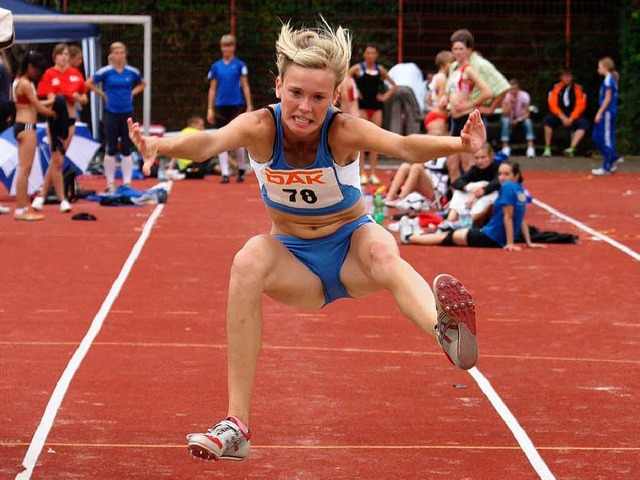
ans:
(474, 134)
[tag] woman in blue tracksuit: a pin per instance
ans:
(604, 124)
(323, 245)
(507, 220)
(120, 83)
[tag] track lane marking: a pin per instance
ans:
(518, 432)
(41, 433)
(623, 248)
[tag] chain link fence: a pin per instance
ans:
(530, 40)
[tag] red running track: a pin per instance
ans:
(351, 391)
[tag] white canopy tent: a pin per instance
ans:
(91, 53)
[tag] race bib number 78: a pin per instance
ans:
(310, 189)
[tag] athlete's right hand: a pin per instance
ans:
(147, 146)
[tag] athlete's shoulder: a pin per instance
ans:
(105, 70)
(256, 122)
(511, 186)
(132, 69)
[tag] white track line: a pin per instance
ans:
(623, 248)
(518, 432)
(40, 437)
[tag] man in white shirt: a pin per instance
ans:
(405, 109)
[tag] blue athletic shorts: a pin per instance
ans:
(325, 256)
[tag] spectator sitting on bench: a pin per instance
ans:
(567, 103)
(515, 111)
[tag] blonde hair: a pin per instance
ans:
(228, 39)
(610, 66)
(322, 48)
(115, 46)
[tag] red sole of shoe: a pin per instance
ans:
(456, 302)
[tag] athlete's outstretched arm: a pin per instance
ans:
(197, 147)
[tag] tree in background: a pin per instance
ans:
(629, 113)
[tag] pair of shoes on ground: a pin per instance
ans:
(455, 331)
(531, 151)
(38, 204)
(414, 202)
(239, 178)
(408, 226)
(371, 179)
(567, 152)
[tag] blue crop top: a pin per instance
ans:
(320, 189)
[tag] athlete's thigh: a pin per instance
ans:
(67, 141)
(27, 139)
(357, 273)
(287, 280)
(376, 118)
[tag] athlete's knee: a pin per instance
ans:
(382, 255)
(404, 168)
(253, 260)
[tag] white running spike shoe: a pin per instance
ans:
(228, 440)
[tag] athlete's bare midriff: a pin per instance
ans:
(309, 227)
(26, 113)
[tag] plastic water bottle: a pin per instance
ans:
(465, 219)
(378, 209)
(162, 174)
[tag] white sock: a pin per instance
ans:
(126, 164)
(240, 157)
(224, 163)
(109, 168)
